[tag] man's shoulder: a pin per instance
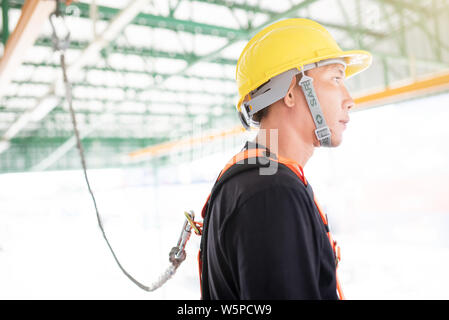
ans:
(248, 183)
(249, 194)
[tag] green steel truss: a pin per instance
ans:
(407, 38)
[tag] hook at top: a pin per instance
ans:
(60, 32)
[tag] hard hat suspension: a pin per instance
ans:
(274, 89)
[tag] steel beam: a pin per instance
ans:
(212, 55)
(130, 71)
(126, 88)
(5, 21)
(188, 26)
(106, 100)
(192, 59)
(153, 21)
(226, 109)
(33, 16)
(115, 26)
(241, 6)
(165, 22)
(138, 51)
(421, 87)
(29, 151)
(423, 15)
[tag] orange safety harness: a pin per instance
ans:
(293, 166)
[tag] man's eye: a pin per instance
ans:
(338, 79)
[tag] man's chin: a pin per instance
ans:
(335, 142)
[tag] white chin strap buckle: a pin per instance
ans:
(323, 134)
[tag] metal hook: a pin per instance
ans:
(59, 43)
(191, 219)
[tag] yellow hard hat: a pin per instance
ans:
(287, 44)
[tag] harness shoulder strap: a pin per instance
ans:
(240, 158)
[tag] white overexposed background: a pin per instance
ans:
(385, 190)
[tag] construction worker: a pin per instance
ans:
(264, 235)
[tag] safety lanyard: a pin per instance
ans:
(177, 254)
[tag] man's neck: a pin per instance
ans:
(289, 144)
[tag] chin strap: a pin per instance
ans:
(322, 131)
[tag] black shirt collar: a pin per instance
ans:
(255, 145)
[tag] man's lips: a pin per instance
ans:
(344, 122)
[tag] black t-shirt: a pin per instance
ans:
(266, 240)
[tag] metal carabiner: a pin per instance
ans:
(184, 237)
(191, 219)
(60, 42)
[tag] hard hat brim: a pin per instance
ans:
(356, 60)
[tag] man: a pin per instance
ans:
(265, 236)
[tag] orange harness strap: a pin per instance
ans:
(296, 168)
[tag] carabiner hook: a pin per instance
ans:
(182, 241)
(194, 224)
(60, 42)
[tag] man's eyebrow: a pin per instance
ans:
(339, 68)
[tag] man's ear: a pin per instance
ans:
(289, 98)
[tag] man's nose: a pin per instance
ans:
(348, 102)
